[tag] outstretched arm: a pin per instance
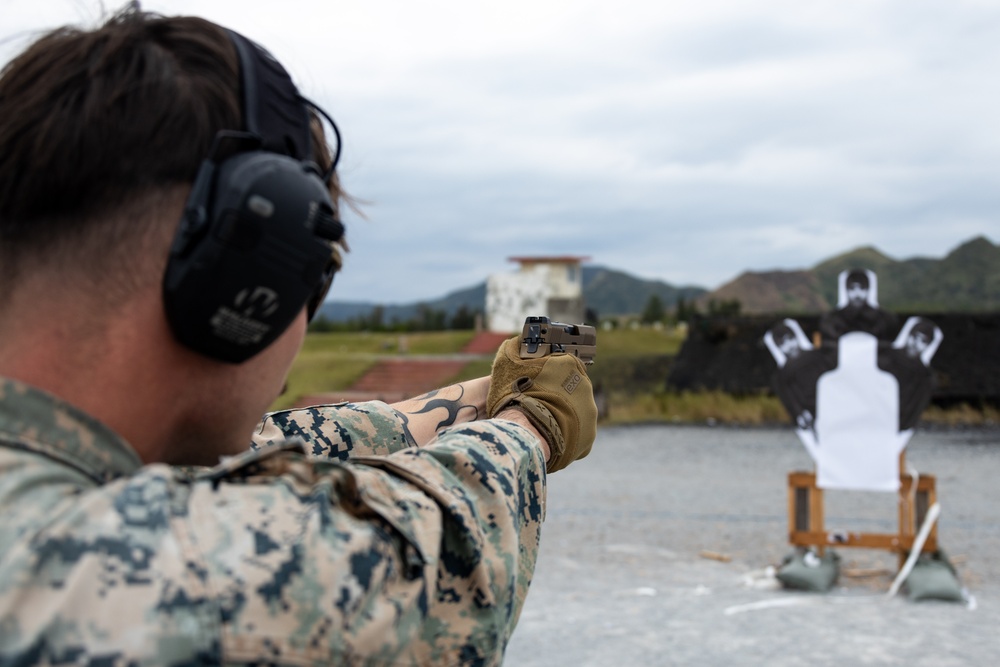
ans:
(423, 416)
(374, 428)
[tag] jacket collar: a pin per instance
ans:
(34, 420)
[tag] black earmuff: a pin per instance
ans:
(256, 242)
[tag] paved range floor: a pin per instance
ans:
(623, 578)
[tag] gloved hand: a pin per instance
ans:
(555, 394)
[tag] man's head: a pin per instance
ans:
(919, 338)
(102, 133)
(95, 122)
(857, 284)
(98, 127)
(786, 340)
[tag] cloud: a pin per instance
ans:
(686, 141)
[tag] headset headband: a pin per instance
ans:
(273, 109)
(271, 105)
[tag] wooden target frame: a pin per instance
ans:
(806, 522)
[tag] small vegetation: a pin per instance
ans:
(712, 407)
(961, 415)
(423, 318)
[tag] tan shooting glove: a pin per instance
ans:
(555, 394)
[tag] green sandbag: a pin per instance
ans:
(934, 578)
(807, 571)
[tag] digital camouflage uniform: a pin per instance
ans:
(341, 544)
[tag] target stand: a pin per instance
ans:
(806, 527)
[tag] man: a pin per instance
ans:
(857, 310)
(909, 361)
(167, 227)
(799, 367)
(922, 333)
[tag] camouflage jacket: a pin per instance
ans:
(333, 542)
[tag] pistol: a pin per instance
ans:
(541, 337)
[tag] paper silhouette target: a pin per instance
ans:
(855, 399)
(857, 309)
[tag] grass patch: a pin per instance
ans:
(366, 342)
(961, 415)
(629, 360)
(320, 372)
(333, 361)
(695, 407)
(641, 342)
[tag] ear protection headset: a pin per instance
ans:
(256, 241)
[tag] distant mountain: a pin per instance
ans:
(611, 292)
(606, 291)
(967, 279)
(772, 292)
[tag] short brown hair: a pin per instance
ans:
(91, 120)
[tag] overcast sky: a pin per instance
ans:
(683, 141)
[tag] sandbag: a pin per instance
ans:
(806, 570)
(934, 578)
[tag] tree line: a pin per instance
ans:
(685, 311)
(425, 319)
(464, 318)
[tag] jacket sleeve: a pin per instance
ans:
(337, 432)
(422, 556)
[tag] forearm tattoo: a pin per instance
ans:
(430, 401)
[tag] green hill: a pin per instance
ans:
(967, 279)
(610, 292)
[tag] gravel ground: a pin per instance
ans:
(622, 579)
